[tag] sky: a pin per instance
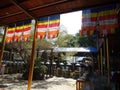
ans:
(72, 21)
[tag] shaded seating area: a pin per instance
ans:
(21, 11)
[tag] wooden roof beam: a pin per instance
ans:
(23, 9)
(27, 11)
(50, 4)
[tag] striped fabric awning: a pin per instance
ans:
(103, 19)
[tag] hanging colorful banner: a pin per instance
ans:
(18, 32)
(10, 33)
(108, 20)
(26, 30)
(48, 27)
(42, 27)
(89, 20)
(54, 23)
(103, 19)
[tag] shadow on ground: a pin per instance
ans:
(12, 81)
(3, 86)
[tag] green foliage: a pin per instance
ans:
(63, 40)
(87, 41)
(39, 70)
(72, 74)
(75, 41)
(43, 44)
(43, 69)
(82, 41)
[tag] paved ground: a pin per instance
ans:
(11, 82)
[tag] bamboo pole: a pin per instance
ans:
(108, 60)
(101, 61)
(32, 58)
(3, 45)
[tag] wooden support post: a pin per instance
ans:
(34, 42)
(32, 61)
(101, 59)
(3, 44)
(98, 57)
(108, 60)
(11, 54)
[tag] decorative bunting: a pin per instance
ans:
(10, 33)
(103, 19)
(89, 19)
(42, 27)
(53, 34)
(54, 23)
(48, 26)
(108, 19)
(18, 32)
(26, 30)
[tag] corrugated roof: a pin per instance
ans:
(79, 49)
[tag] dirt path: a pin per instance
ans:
(11, 82)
